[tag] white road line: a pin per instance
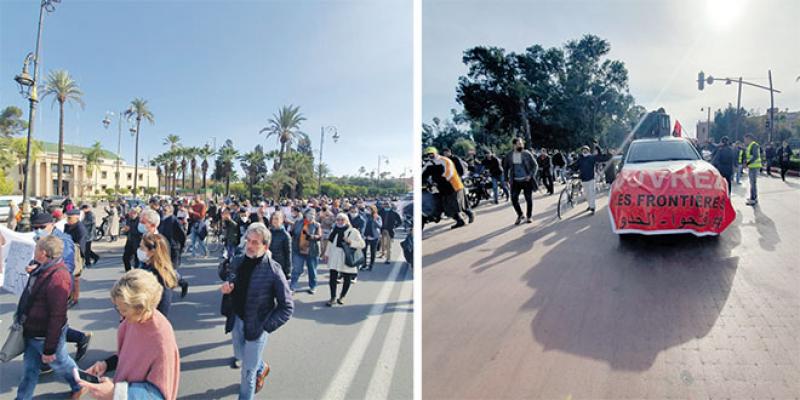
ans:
(383, 373)
(341, 382)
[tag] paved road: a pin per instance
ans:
(360, 350)
(561, 309)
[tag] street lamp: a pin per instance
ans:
(702, 80)
(708, 121)
(335, 137)
(106, 123)
(27, 85)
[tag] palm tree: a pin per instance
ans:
(140, 111)
(156, 162)
(286, 127)
(227, 155)
(93, 156)
(64, 89)
(278, 180)
(204, 153)
(184, 152)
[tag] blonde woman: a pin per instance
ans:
(343, 234)
(153, 253)
(147, 362)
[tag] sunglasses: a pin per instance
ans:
(39, 226)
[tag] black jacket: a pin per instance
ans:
(391, 221)
(724, 160)
(493, 164)
(134, 237)
(170, 227)
(78, 234)
(784, 154)
(281, 249)
(88, 222)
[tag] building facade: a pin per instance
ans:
(76, 181)
(703, 131)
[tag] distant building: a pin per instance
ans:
(76, 182)
(703, 131)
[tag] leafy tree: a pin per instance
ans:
(285, 126)
(140, 111)
(254, 165)
(11, 122)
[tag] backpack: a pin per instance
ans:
(78, 261)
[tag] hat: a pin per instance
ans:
(41, 219)
(430, 150)
(57, 213)
(74, 211)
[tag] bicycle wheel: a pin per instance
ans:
(565, 201)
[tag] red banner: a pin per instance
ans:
(670, 197)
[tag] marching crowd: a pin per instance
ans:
(265, 248)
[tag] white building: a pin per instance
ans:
(76, 182)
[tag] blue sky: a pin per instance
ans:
(664, 44)
(222, 68)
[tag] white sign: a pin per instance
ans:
(16, 252)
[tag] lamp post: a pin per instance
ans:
(27, 87)
(708, 122)
(106, 123)
(321, 144)
(702, 80)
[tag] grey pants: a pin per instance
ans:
(752, 174)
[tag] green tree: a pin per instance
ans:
(11, 122)
(204, 153)
(93, 157)
(63, 89)
(224, 165)
(285, 126)
(279, 180)
(254, 165)
(301, 168)
(140, 111)
(6, 185)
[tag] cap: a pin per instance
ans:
(430, 150)
(70, 212)
(41, 219)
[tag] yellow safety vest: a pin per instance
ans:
(757, 162)
(450, 173)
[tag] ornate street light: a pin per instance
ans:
(335, 137)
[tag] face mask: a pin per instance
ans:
(340, 225)
(142, 255)
(141, 228)
(39, 233)
(244, 219)
(585, 153)
(354, 214)
(387, 208)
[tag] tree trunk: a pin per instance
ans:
(60, 146)
(194, 168)
(525, 123)
(136, 157)
(204, 178)
(280, 155)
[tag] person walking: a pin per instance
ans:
(134, 236)
(586, 164)
(493, 164)
(172, 229)
(147, 364)
(784, 158)
(343, 234)
(442, 172)
(724, 160)
(752, 157)
(372, 234)
(153, 255)
(77, 231)
(42, 311)
(326, 220)
(281, 244)
(520, 167)
(231, 232)
(306, 235)
(769, 158)
(113, 221)
(545, 171)
(391, 220)
(88, 219)
(559, 164)
(260, 303)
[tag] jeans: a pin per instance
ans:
(298, 262)
(502, 185)
(249, 352)
(196, 241)
(752, 174)
(526, 187)
(32, 363)
(144, 390)
(739, 173)
(372, 246)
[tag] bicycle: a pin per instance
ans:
(570, 195)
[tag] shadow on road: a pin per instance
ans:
(625, 302)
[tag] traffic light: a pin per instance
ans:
(701, 80)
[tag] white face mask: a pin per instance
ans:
(142, 255)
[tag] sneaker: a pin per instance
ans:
(46, 369)
(385, 262)
(83, 346)
(471, 218)
(519, 220)
(235, 363)
(312, 291)
(340, 301)
(262, 377)
(528, 220)
(354, 280)
(459, 224)
(330, 302)
(751, 202)
(184, 288)
(591, 210)
(72, 303)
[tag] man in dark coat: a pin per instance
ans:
(725, 161)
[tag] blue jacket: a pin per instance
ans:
(69, 249)
(269, 301)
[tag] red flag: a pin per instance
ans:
(677, 131)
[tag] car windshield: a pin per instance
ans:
(661, 151)
(5, 203)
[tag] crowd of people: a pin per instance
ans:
(521, 171)
(264, 249)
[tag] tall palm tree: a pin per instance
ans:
(139, 110)
(286, 127)
(93, 156)
(204, 153)
(184, 152)
(156, 162)
(63, 89)
(191, 152)
(227, 155)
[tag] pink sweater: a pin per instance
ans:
(148, 352)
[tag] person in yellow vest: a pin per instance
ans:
(753, 163)
(444, 175)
